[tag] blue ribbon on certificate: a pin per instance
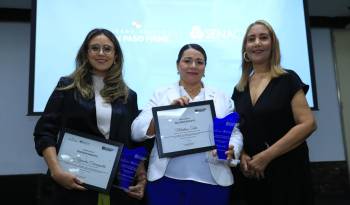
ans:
(223, 128)
(128, 164)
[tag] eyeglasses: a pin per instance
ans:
(96, 49)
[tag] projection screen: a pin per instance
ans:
(151, 32)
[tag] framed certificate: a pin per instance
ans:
(182, 130)
(92, 159)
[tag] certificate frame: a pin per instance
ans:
(69, 138)
(201, 106)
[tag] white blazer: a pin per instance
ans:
(164, 96)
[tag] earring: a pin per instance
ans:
(245, 57)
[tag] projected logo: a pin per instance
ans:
(197, 33)
(210, 34)
(136, 24)
(138, 33)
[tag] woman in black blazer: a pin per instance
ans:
(95, 100)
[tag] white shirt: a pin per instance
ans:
(103, 109)
(192, 166)
(164, 96)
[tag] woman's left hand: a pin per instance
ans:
(181, 101)
(138, 190)
(230, 153)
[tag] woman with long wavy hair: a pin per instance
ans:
(95, 100)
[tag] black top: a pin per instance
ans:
(265, 123)
(271, 117)
(68, 109)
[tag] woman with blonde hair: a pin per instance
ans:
(275, 122)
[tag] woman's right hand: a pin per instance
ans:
(245, 158)
(151, 131)
(67, 180)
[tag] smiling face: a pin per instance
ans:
(258, 44)
(101, 54)
(191, 66)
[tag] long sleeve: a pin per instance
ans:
(226, 106)
(237, 141)
(140, 125)
(49, 124)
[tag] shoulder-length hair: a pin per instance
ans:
(275, 56)
(115, 86)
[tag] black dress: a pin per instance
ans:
(287, 178)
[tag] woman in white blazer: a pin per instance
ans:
(198, 178)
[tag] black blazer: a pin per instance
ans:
(68, 109)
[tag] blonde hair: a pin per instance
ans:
(114, 87)
(275, 57)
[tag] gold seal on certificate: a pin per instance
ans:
(92, 159)
(184, 130)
